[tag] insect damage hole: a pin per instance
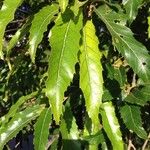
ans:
(143, 63)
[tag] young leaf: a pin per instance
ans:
(139, 96)
(39, 26)
(134, 52)
(69, 130)
(148, 18)
(111, 125)
(91, 80)
(6, 15)
(63, 4)
(15, 107)
(131, 8)
(41, 130)
(65, 45)
(19, 121)
(131, 116)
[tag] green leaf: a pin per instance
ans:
(131, 116)
(134, 52)
(91, 80)
(62, 60)
(39, 26)
(76, 6)
(111, 125)
(19, 121)
(69, 130)
(131, 8)
(139, 96)
(118, 74)
(6, 15)
(18, 35)
(95, 139)
(63, 4)
(148, 18)
(15, 107)
(41, 130)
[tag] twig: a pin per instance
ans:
(52, 139)
(130, 145)
(145, 143)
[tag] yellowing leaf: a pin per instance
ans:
(65, 45)
(91, 80)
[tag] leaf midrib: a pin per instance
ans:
(107, 22)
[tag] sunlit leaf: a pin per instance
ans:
(111, 125)
(94, 140)
(63, 4)
(131, 8)
(39, 26)
(19, 121)
(62, 60)
(131, 116)
(6, 15)
(41, 130)
(15, 107)
(148, 18)
(91, 80)
(69, 130)
(134, 52)
(76, 6)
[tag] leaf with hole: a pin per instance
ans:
(133, 51)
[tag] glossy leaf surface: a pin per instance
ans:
(39, 26)
(91, 80)
(63, 4)
(111, 125)
(15, 107)
(19, 121)
(62, 60)
(131, 116)
(41, 130)
(6, 15)
(69, 130)
(134, 52)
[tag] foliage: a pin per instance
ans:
(75, 73)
